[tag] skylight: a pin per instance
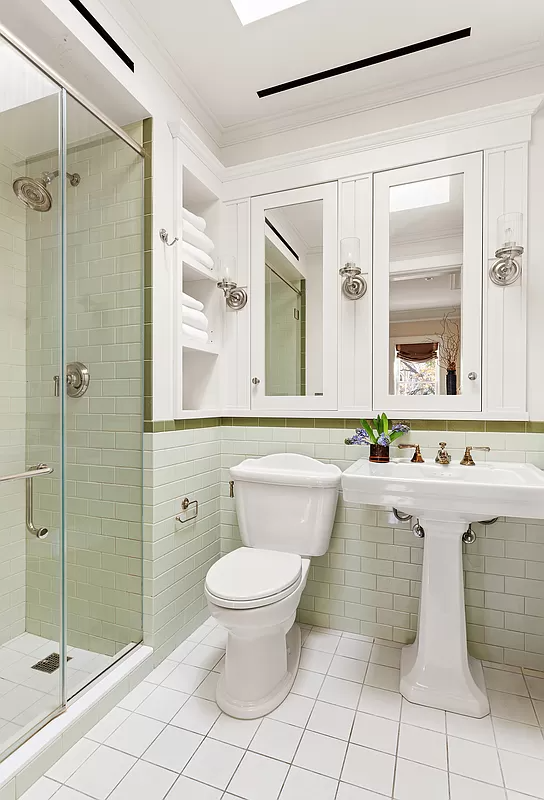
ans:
(419, 195)
(252, 10)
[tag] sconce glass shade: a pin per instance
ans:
(510, 230)
(350, 251)
(227, 269)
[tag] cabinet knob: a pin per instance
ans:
(255, 381)
(472, 376)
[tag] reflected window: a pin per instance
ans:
(417, 368)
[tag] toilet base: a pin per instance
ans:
(259, 708)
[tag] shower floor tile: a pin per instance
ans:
(28, 695)
(348, 759)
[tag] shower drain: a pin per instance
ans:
(49, 664)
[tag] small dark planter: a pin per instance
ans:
(451, 381)
(379, 454)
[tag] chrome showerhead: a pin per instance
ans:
(33, 192)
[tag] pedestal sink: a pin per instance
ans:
(436, 670)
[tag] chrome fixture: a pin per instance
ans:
(467, 460)
(354, 286)
(417, 458)
(418, 531)
(35, 472)
(507, 269)
(39, 533)
(33, 192)
(163, 236)
(187, 504)
(255, 381)
(472, 376)
(443, 457)
(231, 488)
(78, 379)
(400, 516)
(469, 537)
(235, 296)
(489, 521)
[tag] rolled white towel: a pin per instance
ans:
(194, 333)
(197, 238)
(196, 319)
(198, 222)
(199, 255)
(190, 302)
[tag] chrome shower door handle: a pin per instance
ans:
(39, 533)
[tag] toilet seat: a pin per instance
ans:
(252, 578)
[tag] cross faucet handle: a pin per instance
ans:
(467, 460)
(443, 457)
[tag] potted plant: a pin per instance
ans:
(378, 434)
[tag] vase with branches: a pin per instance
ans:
(449, 345)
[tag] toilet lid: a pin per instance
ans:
(250, 574)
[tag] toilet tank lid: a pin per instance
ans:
(290, 469)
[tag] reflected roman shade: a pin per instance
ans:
(418, 352)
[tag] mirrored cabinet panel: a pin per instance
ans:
(293, 266)
(427, 286)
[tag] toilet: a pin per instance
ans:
(286, 505)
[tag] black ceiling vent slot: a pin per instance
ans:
(101, 31)
(282, 239)
(367, 62)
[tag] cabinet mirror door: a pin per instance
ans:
(293, 299)
(428, 286)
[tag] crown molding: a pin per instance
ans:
(179, 129)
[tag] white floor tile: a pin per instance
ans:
(385, 656)
(183, 650)
(108, 725)
(308, 683)
(197, 715)
(144, 782)
(423, 746)
(185, 678)
(474, 761)
(135, 734)
(539, 708)
(173, 748)
(378, 733)
(136, 696)
(321, 754)
(423, 717)
(322, 641)
(239, 732)
(276, 739)
(536, 687)
(208, 688)
(502, 681)
(351, 669)
(419, 782)
(162, 704)
(214, 763)
(204, 656)
(466, 789)
(66, 793)
(43, 789)
(340, 692)
(331, 720)
(200, 633)
(348, 792)
(304, 785)
(510, 706)
(517, 796)
(161, 672)
(295, 710)
(315, 660)
(188, 789)
(258, 778)
(71, 760)
(475, 730)
(382, 677)
(523, 774)
(217, 638)
(369, 769)
(380, 702)
(524, 739)
(101, 773)
(354, 648)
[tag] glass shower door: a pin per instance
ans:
(31, 512)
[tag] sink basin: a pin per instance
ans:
(436, 670)
(454, 492)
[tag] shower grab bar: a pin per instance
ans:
(41, 469)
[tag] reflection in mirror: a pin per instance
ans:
(425, 282)
(294, 299)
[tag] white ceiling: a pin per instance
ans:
(225, 63)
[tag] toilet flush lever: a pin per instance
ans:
(231, 488)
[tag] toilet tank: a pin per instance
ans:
(286, 502)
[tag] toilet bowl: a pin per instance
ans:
(286, 505)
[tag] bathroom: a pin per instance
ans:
(216, 582)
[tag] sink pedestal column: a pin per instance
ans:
(436, 670)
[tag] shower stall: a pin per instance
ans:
(71, 396)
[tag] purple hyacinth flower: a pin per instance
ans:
(384, 440)
(360, 437)
(400, 427)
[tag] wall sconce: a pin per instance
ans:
(507, 269)
(235, 297)
(354, 286)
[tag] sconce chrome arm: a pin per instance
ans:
(235, 296)
(354, 286)
(507, 269)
